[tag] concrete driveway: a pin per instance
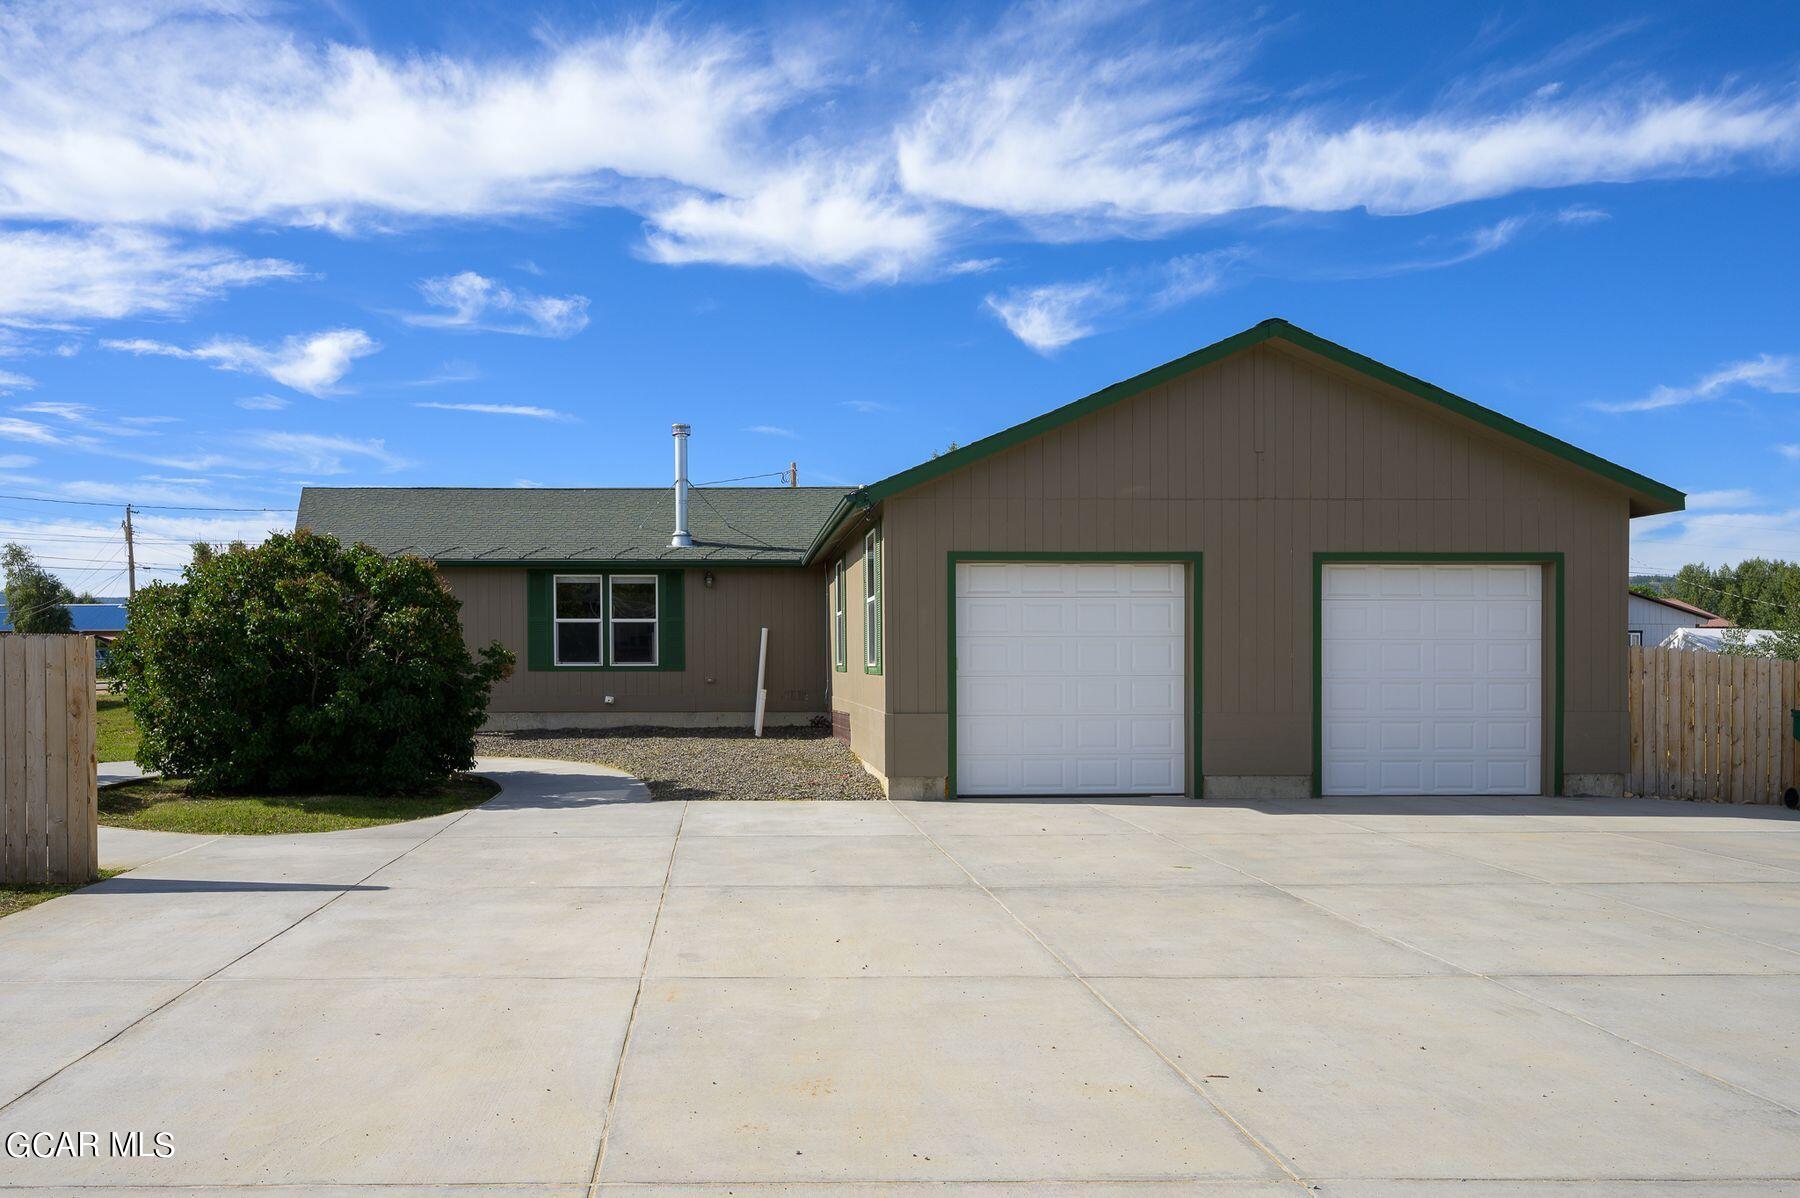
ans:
(574, 987)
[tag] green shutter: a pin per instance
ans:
(671, 591)
(539, 603)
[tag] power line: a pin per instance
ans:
(1711, 590)
(155, 507)
(722, 481)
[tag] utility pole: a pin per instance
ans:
(793, 474)
(130, 553)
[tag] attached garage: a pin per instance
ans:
(1404, 593)
(1432, 678)
(1072, 677)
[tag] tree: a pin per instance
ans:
(304, 665)
(1755, 593)
(34, 596)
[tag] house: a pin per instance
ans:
(103, 619)
(1651, 619)
(1711, 638)
(1273, 567)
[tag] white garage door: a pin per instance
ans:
(1432, 679)
(1070, 678)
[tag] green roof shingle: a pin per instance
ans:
(481, 525)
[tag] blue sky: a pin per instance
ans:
(245, 247)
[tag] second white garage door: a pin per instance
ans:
(1432, 679)
(1070, 678)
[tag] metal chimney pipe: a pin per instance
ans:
(681, 539)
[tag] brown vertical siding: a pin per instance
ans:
(855, 692)
(1258, 461)
(722, 626)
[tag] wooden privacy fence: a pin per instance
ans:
(49, 810)
(1711, 726)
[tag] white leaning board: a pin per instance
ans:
(1431, 679)
(1070, 678)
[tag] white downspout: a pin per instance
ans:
(681, 539)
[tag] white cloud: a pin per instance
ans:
(16, 461)
(313, 363)
(322, 453)
(500, 409)
(263, 403)
(1702, 501)
(1717, 537)
(1790, 452)
(845, 224)
(1581, 214)
(1072, 119)
(1052, 315)
(201, 115)
(477, 303)
(1055, 127)
(110, 273)
(74, 413)
(867, 406)
(770, 430)
(1776, 374)
(31, 432)
(11, 381)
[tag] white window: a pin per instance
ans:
(1635, 636)
(633, 607)
(840, 654)
(580, 612)
(872, 600)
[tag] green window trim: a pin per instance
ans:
(671, 620)
(840, 620)
(1552, 559)
(874, 583)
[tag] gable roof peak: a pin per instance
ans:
(1647, 496)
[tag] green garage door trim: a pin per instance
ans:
(1195, 583)
(1321, 560)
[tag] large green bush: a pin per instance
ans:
(303, 665)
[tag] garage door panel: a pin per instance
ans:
(1073, 679)
(1431, 679)
(1156, 694)
(1096, 618)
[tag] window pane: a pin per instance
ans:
(634, 644)
(578, 600)
(578, 644)
(634, 600)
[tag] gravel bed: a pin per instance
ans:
(706, 763)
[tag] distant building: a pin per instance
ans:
(1652, 620)
(103, 619)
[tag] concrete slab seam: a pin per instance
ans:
(612, 1097)
(195, 984)
(1500, 980)
(1249, 1136)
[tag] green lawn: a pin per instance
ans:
(16, 898)
(117, 738)
(164, 805)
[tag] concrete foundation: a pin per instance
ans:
(1256, 786)
(540, 721)
(1594, 786)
